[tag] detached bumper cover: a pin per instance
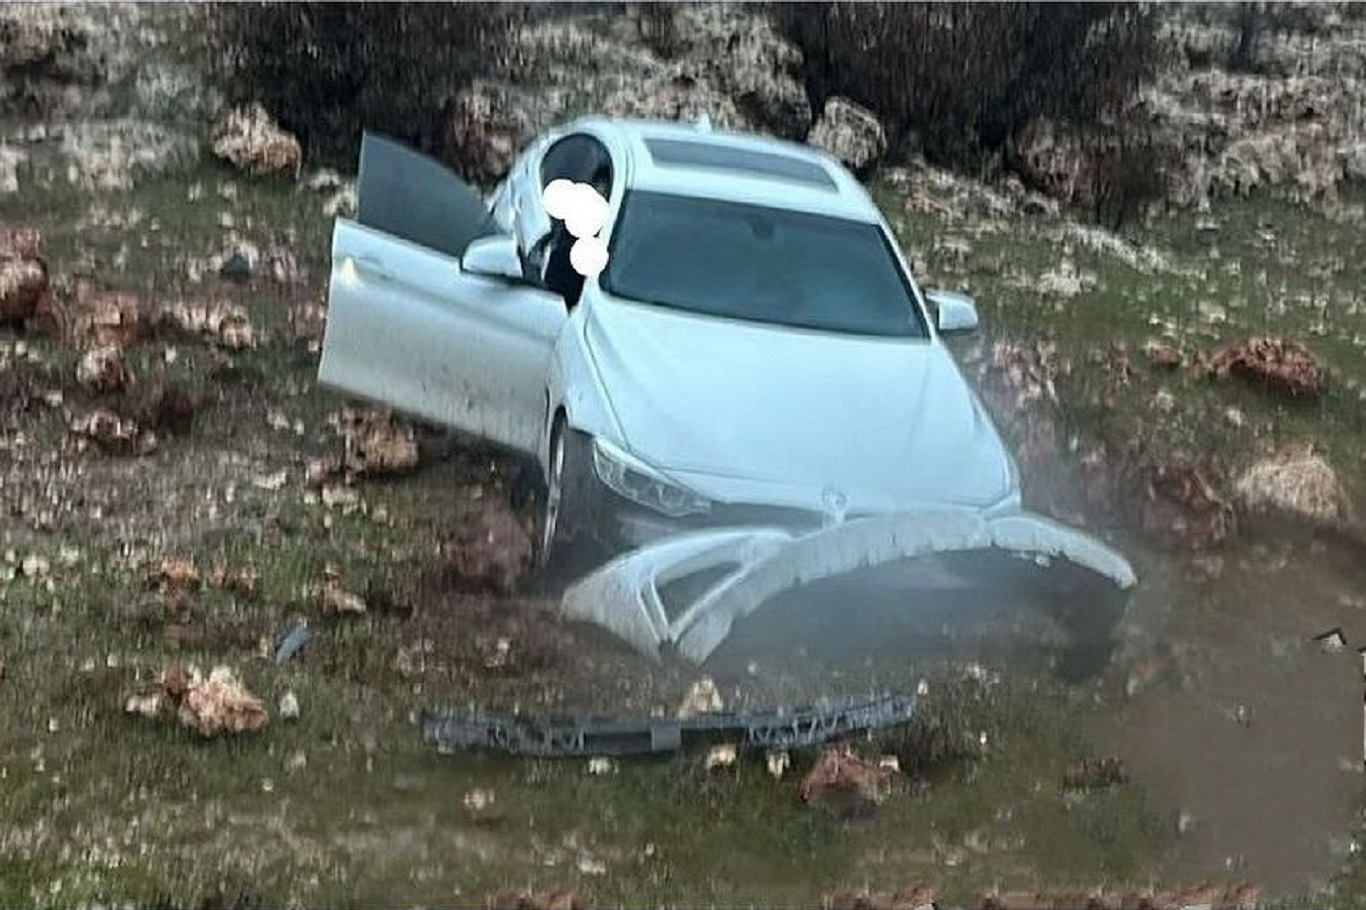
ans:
(623, 596)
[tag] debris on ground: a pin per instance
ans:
(1278, 363)
(224, 324)
(375, 442)
(913, 897)
(1296, 482)
(213, 706)
(1095, 774)
(113, 434)
(703, 698)
(292, 642)
(1182, 509)
(102, 369)
(23, 274)
(493, 550)
(250, 140)
(840, 770)
(533, 900)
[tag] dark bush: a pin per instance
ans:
(328, 71)
(958, 80)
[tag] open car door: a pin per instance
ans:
(408, 328)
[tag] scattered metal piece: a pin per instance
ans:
(292, 642)
(588, 736)
(1331, 641)
(624, 595)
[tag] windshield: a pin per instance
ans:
(759, 264)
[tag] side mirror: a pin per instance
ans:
(494, 256)
(956, 313)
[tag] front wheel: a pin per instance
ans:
(573, 508)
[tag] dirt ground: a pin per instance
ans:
(1241, 737)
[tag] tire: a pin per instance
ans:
(572, 507)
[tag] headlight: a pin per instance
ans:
(632, 478)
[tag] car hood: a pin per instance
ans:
(752, 413)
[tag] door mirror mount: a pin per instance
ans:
(494, 257)
(955, 314)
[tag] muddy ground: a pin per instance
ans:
(1242, 739)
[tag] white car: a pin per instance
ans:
(755, 365)
(755, 351)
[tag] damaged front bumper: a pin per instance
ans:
(757, 563)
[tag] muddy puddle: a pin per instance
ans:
(1242, 731)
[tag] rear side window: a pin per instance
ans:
(580, 158)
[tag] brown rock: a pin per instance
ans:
(23, 274)
(177, 574)
(493, 550)
(839, 770)
(225, 324)
(221, 704)
(101, 318)
(1161, 354)
(250, 140)
(1280, 364)
(376, 443)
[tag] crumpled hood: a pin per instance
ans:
(769, 415)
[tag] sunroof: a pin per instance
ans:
(681, 153)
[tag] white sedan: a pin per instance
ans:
(756, 351)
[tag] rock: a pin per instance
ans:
(1278, 363)
(114, 434)
(599, 766)
(748, 61)
(177, 574)
(23, 274)
(289, 706)
(839, 770)
(721, 757)
(777, 763)
(850, 133)
(221, 704)
(308, 320)
(101, 318)
(1294, 482)
(10, 159)
(144, 705)
(225, 324)
(1018, 385)
(102, 369)
(492, 551)
(703, 698)
(913, 897)
(250, 140)
(1161, 354)
(1181, 508)
(337, 601)
(374, 442)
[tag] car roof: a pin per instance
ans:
(692, 160)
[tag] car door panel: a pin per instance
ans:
(408, 328)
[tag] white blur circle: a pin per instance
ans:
(588, 256)
(558, 197)
(587, 212)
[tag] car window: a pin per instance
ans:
(760, 264)
(580, 158)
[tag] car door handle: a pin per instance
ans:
(375, 267)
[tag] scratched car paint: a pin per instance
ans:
(755, 383)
